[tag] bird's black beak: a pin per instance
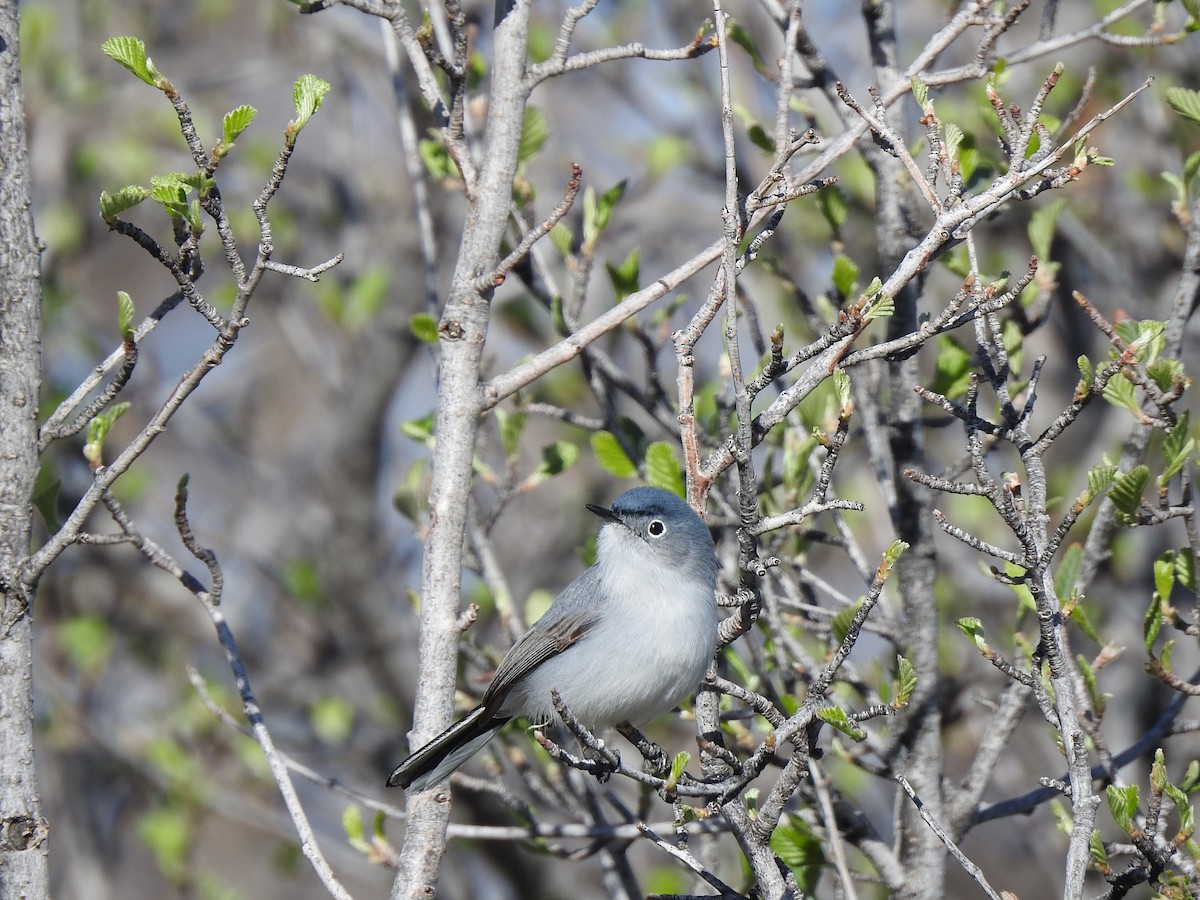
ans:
(605, 513)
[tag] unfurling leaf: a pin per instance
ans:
(598, 210)
(920, 91)
(235, 122)
(1126, 491)
(1123, 803)
(97, 431)
(307, 93)
(112, 205)
(906, 681)
(131, 53)
(124, 315)
(845, 275)
(678, 764)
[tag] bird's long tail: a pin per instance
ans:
(434, 762)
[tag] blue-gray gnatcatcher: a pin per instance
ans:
(624, 642)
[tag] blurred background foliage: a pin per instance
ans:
(308, 447)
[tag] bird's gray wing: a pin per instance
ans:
(550, 635)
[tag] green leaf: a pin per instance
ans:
(1041, 228)
(678, 764)
(800, 851)
(906, 681)
(665, 152)
(598, 210)
(1100, 479)
(836, 716)
(1177, 449)
(131, 53)
(424, 327)
(437, 159)
(1062, 818)
(512, 425)
(332, 719)
(839, 625)
(1119, 392)
(626, 277)
(1164, 575)
(1158, 772)
(236, 121)
(759, 138)
(611, 455)
(973, 628)
(952, 136)
(45, 495)
(894, 551)
(352, 824)
(1126, 491)
(419, 430)
(1068, 571)
(112, 205)
(920, 91)
(1086, 373)
(1187, 816)
(841, 388)
(1165, 373)
(1185, 569)
(87, 641)
(662, 468)
(845, 276)
(740, 36)
(1191, 777)
(535, 129)
(124, 314)
(1147, 339)
(1185, 102)
(1152, 623)
(97, 431)
(1097, 698)
(171, 192)
(167, 831)
(409, 497)
(1191, 168)
(307, 93)
(882, 306)
(556, 459)
(563, 239)
(953, 367)
(1122, 804)
(833, 207)
(1096, 850)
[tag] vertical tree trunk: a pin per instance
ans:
(463, 330)
(23, 831)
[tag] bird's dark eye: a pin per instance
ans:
(656, 528)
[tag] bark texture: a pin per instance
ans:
(23, 831)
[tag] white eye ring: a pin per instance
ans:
(656, 528)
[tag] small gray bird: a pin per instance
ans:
(624, 642)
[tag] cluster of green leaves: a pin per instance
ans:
(1124, 805)
(174, 190)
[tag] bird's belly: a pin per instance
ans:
(620, 674)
